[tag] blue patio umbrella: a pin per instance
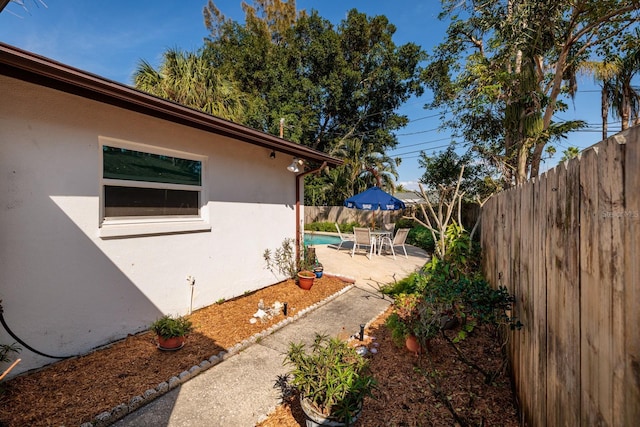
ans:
(374, 199)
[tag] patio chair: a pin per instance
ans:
(363, 239)
(343, 237)
(398, 240)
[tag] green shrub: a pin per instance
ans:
(418, 236)
(169, 327)
(5, 349)
(330, 227)
(453, 289)
(320, 226)
(333, 376)
(283, 259)
(399, 329)
(421, 237)
(408, 285)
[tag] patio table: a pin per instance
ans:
(378, 235)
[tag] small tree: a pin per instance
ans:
(283, 260)
(450, 177)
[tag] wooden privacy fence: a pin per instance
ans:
(341, 215)
(567, 245)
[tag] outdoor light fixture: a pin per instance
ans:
(272, 155)
(295, 165)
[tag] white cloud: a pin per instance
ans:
(410, 185)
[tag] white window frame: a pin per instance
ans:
(147, 225)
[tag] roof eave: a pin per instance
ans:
(27, 66)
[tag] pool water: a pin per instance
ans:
(320, 239)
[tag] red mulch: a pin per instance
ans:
(74, 391)
(409, 386)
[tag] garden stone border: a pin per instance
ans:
(107, 418)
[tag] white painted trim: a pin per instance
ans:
(141, 228)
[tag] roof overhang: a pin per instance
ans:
(27, 66)
(3, 4)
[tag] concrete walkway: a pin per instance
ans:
(239, 390)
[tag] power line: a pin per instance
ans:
(397, 134)
(421, 143)
(430, 117)
(420, 151)
(417, 132)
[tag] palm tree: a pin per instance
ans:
(618, 94)
(603, 72)
(625, 98)
(383, 169)
(363, 168)
(570, 153)
(187, 78)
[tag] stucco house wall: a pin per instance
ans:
(66, 285)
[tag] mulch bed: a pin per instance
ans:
(425, 389)
(413, 390)
(75, 391)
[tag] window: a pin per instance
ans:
(148, 190)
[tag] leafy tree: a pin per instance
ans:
(337, 88)
(505, 68)
(450, 178)
(442, 171)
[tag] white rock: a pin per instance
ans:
(260, 314)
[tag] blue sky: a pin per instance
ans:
(109, 38)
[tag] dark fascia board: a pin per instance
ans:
(27, 66)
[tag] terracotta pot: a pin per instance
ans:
(305, 279)
(173, 343)
(412, 344)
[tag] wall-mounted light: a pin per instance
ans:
(272, 155)
(295, 165)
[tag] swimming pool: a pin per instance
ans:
(320, 239)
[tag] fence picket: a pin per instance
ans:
(566, 244)
(631, 384)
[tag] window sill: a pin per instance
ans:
(111, 230)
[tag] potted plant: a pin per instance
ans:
(171, 331)
(283, 261)
(332, 380)
(318, 270)
(307, 265)
(411, 322)
(305, 279)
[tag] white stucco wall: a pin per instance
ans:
(66, 290)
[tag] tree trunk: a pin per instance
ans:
(625, 112)
(521, 172)
(550, 109)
